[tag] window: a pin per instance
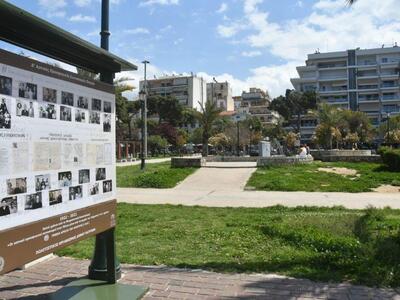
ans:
(384, 59)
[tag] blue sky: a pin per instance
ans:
(247, 42)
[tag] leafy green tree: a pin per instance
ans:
(188, 117)
(293, 105)
(221, 124)
(196, 136)
(157, 144)
(393, 137)
(219, 141)
(166, 107)
(356, 122)
(124, 110)
(274, 131)
(207, 116)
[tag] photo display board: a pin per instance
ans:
(57, 158)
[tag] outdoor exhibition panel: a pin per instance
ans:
(57, 162)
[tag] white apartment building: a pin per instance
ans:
(256, 103)
(190, 91)
(365, 80)
(221, 94)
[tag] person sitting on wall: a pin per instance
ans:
(303, 151)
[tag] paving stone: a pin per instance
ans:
(172, 283)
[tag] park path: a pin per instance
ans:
(41, 280)
(217, 177)
(222, 185)
(148, 161)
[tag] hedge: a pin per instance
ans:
(391, 158)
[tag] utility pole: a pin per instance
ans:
(143, 98)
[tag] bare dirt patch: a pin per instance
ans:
(386, 188)
(340, 171)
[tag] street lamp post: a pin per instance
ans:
(143, 99)
(388, 123)
(238, 135)
(250, 135)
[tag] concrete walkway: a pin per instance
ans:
(223, 187)
(41, 280)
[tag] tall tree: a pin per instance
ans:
(294, 105)
(166, 107)
(207, 116)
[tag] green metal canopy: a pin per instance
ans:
(23, 29)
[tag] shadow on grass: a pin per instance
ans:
(384, 168)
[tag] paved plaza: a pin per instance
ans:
(39, 281)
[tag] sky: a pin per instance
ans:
(249, 43)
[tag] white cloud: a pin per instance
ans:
(94, 33)
(299, 3)
(178, 41)
(166, 28)
(251, 53)
(158, 2)
(53, 8)
(82, 19)
(230, 30)
(330, 26)
(275, 79)
(223, 8)
(82, 3)
(138, 30)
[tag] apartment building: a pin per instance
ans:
(365, 80)
(256, 103)
(190, 91)
(221, 94)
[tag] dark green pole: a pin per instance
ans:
(105, 265)
(238, 137)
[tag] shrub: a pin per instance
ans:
(391, 158)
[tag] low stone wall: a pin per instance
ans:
(354, 158)
(187, 162)
(231, 158)
(283, 160)
(320, 154)
(345, 155)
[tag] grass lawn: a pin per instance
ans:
(158, 175)
(308, 178)
(318, 243)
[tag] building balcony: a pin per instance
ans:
(390, 75)
(332, 100)
(333, 78)
(372, 112)
(367, 87)
(390, 98)
(323, 67)
(390, 64)
(368, 100)
(364, 77)
(389, 87)
(332, 90)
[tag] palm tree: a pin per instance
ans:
(351, 2)
(329, 118)
(207, 116)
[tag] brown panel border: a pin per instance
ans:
(28, 242)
